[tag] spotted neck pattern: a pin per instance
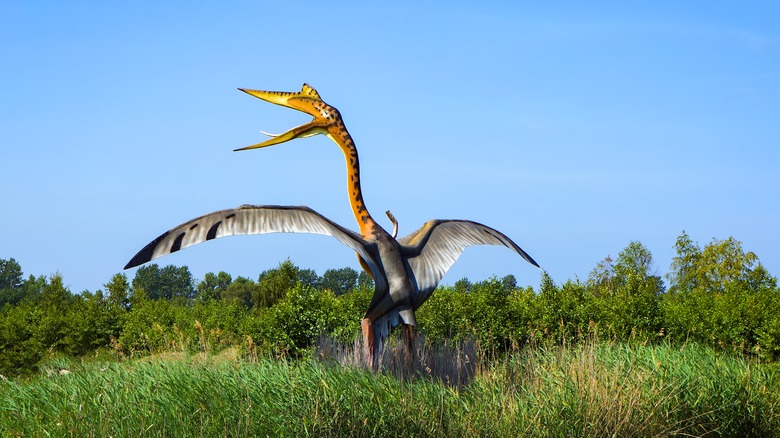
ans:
(339, 134)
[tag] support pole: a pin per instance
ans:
(409, 342)
(369, 343)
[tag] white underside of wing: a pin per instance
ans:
(250, 219)
(439, 243)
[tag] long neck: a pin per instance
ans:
(339, 134)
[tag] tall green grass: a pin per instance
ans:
(593, 389)
(617, 390)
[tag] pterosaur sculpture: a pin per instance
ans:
(405, 271)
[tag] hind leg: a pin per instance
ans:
(369, 343)
(408, 335)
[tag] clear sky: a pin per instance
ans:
(574, 128)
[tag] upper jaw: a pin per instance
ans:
(302, 100)
(307, 100)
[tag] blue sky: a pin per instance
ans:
(573, 128)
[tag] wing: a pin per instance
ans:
(253, 219)
(432, 250)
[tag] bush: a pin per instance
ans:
(156, 326)
(20, 350)
(293, 324)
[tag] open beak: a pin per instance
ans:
(302, 101)
(303, 131)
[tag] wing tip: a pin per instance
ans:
(146, 253)
(135, 261)
(142, 257)
(526, 256)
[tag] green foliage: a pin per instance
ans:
(94, 322)
(52, 307)
(565, 312)
(719, 295)
(240, 292)
(627, 294)
(353, 306)
(462, 285)
(10, 274)
(33, 286)
(293, 324)
(509, 283)
(522, 311)
(340, 281)
(588, 390)
(213, 285)
(487, 313)
(149, 327)
(20, 349)
(722, 296)
(159, 326)
(273, 284)
(118, 292)
(444, 315)
(170, 282)
(720, 263)
(308, 277)
(683, 274)
(364, 281)
(217, 325)
(38, 324)
(11, 291)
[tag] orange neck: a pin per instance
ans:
(339, 134)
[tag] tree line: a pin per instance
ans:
(719, 295)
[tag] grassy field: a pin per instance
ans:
(587, 390)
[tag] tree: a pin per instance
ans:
(241, 291)
(10, 274)
(11, 291)
(635, 259)
(509, 283)
(463, 285)
(33, 286)
(93, 320)
(170, 282)
(601, 279)
(20, 349)
(340, 281)
(118, 291)
(213, 285)
(722, 295)
(723, 262)
(309, 278)
(445, 315)
(487, 311)
(712, 269)
(682, 273)
(52, 307)
(626, 292)
(565, 311)
(273, 284)
(608, 276)
(365, 281)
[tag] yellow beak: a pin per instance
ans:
(305, 130)
(287, 99)
(307, 100)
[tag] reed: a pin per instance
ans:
(591, 389)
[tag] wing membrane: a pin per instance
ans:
(434, 248)
(250, 219)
